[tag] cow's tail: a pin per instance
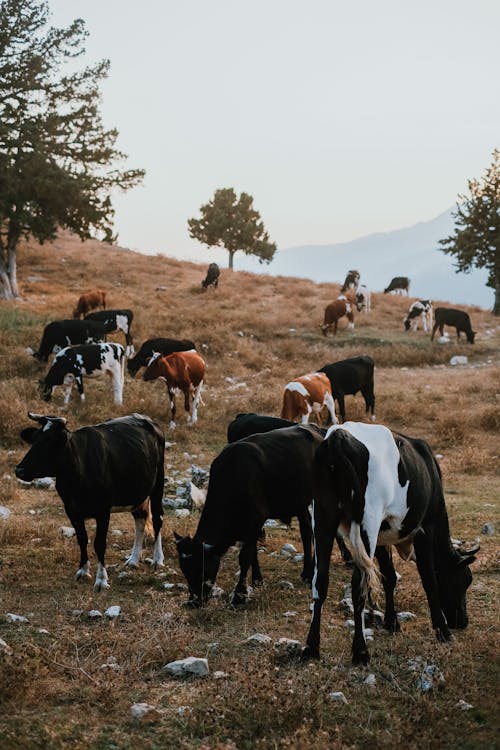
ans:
(148, 529)
(370, 579)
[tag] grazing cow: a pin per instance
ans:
(349, 376)
(62, 333)
(115, 320)
(183, 371)
(363, 299)
(351, 281)
(384, 489)
(156, 346)
(212, 277)
(90, 301)
(336, 310)
(260, 477)
(248, 424)
(305, 395)
(101, 469)
(419, 310)
(459, 319)
(399, 284)
(93, 361)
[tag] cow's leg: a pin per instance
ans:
(434, 329)
(102, 525)
(140, 515)
(330, 405)
(257, 579)
(345, 552)
(196, 400)
(341, 403)
(171, 394)
(369, 397)
(156, 497)
(423, 544)
(117, 378)
(360, 653)
(247, 556)
(67, 393)
(82, 539)
(306, 537)
(389, 578)
(79, 385)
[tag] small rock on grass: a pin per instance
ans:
(113, 612)
(11, 617)
(463, 705)
(144, 713)
(190, 665)
(338, 697)
(259, 639)
(5, 648)
(405, 616)
(488, 529)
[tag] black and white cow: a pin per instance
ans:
(115, 320)
(421, 310)
(348, 376)
(212, 277)
(383, 489)
(93, 361)
(399, 284)
(363, 299)
(157, 346)
(458, 319)
(262, 476)
(62, 333)
(101, 469)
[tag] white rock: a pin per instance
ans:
(291, 613)
(16, 618)
(145, 713)
(286, 585)
(43, 631)
(67, 531)
(5, 648)
(219, 675)
(444, 339)
(299, 557)
(169, 586)
(182, 513)
(288, 644)
(94, 614)
(183, 710)
(488, 529)
(116, 532)
(347, 604)
(349, 623)
(458, 359)
(4, 512)
(371, 680)
(405, 616)
(464, 705)
(122, 575)
(44, 483)
(259, 639)
(338, 697)
(289, 548)
(111, 663)
(192, 665)
(431, 677)
(113, 612)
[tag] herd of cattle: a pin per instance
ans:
(355, 481)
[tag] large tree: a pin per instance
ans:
(475, 242)
(58, 163)
(232, 223)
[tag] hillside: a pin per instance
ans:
(256, 333)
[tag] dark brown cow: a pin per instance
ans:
(183, 371)
(90, 301)
(336, 310)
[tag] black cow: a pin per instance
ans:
(459, 319)
(115, 320)
(399, 284)
(61, 333)
(101, 469)
(250, 423)
(384, 489)
(260, 477)
(212, 277)
(349, 376)
(156, 346)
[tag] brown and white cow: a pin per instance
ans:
(351, 282)
(336, 310)
(182, 371)
(90, 301)
(307, 395)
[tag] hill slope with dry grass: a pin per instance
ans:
(256, 333)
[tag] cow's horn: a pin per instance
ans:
(42, 419)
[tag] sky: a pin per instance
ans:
(340, 119)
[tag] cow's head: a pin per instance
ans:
(199, 563)
(454, 578)
(471, 336)
(153, 368)
(46, 441)
(407, 323)
(57, 375)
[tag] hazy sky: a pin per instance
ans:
(339, 118)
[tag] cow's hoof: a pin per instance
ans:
(238, 600)
(308, 652)
(100, 586)
(82, 575)
(132, 562)
(392, 626)
(192, 604)
(360, 658)
(443, 634)
(257, 582)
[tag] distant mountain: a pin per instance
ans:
(412, 252)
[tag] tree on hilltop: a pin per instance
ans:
(232, 223)
(57, 161)
(475, 242)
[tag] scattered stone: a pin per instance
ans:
(122, 575)
(192, 665)
(217, 591)
(349, 624)
(166, 616)
(464, 705)
(291, 613)
(16, 618)
(145, 713)
(4, 512)
(431, 677)
(289, 645)
(5, 648)
(299, 557)
(44, 483)
(371, 680)
(286, 585)
(488, 529)
(338, 697)
(111, 663)
(219, 675)
(161, 288)
(259, 639)
(199, 476)
(444, 339)
(184, 710)
(116, 532)
(405, 616)
(94, 614)
(347, 604)
(289, 548)
(43, 631)
(76, 612)
(168, 586)
(113, 612)
(67, 531)
(459, 359)
(182, 513)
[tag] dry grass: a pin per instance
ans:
(260, 332)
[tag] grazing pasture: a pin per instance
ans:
(69, 681)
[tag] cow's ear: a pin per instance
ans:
(29, 434)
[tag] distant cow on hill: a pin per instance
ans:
(212, 277)
(458, 319)
(115, 320)
(399, 284)
(61, 333)
(347, 377)
(157, 346)
(419, 310)
(90, 301)
(307, 395)
(351, 281)
(336, 310)
(184, 372)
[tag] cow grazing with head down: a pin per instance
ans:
(61, 333)
(399, 284)
(421, 310)
(89, 360)
(115, 320)
(458, 319)
(307, 395)
(363, 299)
(347, 377)
(183, 371)
(336, 310)
(383, 489)
(101, 469)
(351, 281)
(212, 277)
(90, 301)
(157, 346)
(262, 476)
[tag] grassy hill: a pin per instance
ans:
(256, 333)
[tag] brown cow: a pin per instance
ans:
(90, 301)
(183, 371)
(336, 310)
(305, 395)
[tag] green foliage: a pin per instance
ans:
(475, 242)
(56, 157)
(233, 224)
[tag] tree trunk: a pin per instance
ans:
(231, 256)
(7, 291)
(496, 304)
